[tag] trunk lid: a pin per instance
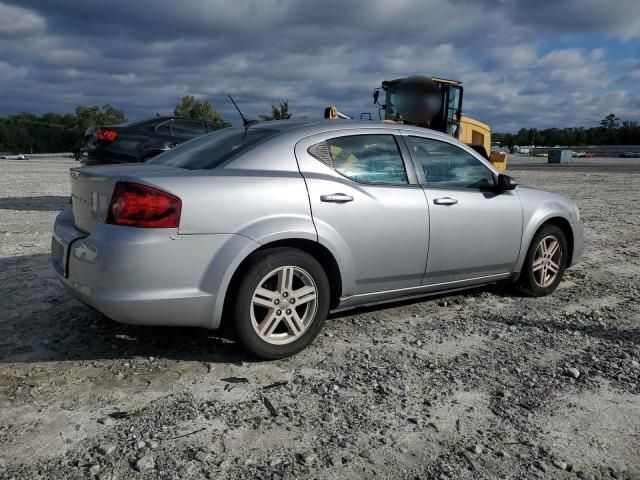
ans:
(92, 187)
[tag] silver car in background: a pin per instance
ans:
(266, 229)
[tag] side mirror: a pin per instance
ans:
(505, 182)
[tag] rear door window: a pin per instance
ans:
(369, 158)
(186, 128)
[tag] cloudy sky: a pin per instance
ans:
(535, 63)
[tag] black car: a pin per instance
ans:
(139, 140)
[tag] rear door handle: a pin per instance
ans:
(336, 198)
(445, 201)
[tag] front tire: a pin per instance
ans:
(545, 263)
(282, 302)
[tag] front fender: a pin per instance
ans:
(533, 223)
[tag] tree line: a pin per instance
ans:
(54, 132)
(611, 131)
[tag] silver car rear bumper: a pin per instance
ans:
(144, 276)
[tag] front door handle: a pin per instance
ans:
(445, 201)
(336, 198)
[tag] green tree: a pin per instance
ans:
(53, 132)
(628, 133)
(88, 116)
(610, 121)
(278, 112)
(190, 107)
(610, 132)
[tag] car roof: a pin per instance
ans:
(294, 130)
(310, 126)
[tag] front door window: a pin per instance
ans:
(447, 166)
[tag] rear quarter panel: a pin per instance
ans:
(262, 197)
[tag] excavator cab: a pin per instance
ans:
(435, 103)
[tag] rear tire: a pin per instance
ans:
(281, 304)
(545, 262)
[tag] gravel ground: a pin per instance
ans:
(482, 384)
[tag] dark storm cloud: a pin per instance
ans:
(143, 56)
(619, 17)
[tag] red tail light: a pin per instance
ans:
(136, 205)
(102, 134)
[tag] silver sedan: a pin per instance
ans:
(267, 229)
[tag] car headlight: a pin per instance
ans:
(577, 213)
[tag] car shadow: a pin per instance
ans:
(505, 291)
(47, 203)
(40, 322)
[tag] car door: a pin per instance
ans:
(367, 207)
(475, 231)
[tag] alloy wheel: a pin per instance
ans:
(284, 304)
(546, 261)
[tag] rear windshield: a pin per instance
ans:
(209, 151)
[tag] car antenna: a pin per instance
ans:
(245, 122)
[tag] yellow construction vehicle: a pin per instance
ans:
(434, 103)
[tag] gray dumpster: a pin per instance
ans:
(557, 155)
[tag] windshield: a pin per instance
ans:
(209, 151)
